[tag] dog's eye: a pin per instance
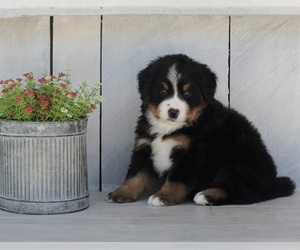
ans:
(187, 94)
(163, 92)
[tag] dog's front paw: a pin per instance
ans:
(171, 193)
(156, 201)
(131, 189)
(120, 196)
(162, 200)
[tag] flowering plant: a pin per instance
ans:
(50, 98)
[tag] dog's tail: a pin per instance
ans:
(283, 186)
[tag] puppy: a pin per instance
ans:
(193, 145)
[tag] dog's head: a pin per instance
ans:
(175, 89)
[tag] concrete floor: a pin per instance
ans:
(272, 221)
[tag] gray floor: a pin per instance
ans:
(276, 220)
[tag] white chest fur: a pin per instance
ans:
(161, 152)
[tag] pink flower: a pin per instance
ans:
(1, 81)
(13, 85)
(30, 92)
(18, 99)
(73, 95)
(28, 75)
(45, 103)
(61, 74)
(93, 106)
(28, 109)
(63, 85)
(19, 79)
(42, 80)
(44, 97)
(4, 91)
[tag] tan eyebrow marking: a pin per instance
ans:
(165, 86)
(186, 87)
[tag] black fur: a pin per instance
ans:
(226, 150)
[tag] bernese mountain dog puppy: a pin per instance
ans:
(193, 146)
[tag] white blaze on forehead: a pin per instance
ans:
(174, 76)
(174, 102)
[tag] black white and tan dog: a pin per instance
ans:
(193, 145)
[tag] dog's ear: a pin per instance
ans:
(143, 81)
(209, 83)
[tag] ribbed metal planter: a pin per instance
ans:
(43, 167)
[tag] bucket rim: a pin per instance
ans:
(47, 129)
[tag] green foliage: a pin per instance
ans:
(50, 98)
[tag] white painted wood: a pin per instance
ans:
(129, 44)
(272, 221)
(12, 8)
(150, 245)
(77, 48)
(265, 83)
(20, 52)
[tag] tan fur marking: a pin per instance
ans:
(215, 193)
(172, 193)
(182, 141)
(186, 87)
(132, 188)
(142, 142)
(154, 110)
(165, 86)
(193, 114)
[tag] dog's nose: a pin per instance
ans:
(173, 113)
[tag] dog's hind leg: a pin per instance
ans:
(235, 185)
(211, 196)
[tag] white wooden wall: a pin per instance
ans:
(76, 46)
(265, 83)
(264, 75)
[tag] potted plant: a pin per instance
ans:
(43, 163)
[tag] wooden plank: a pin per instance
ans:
(151, 245)
(265, 83)
(129, 44)
(24, 46)
(272, 221)
(12, 8)
(77, 48)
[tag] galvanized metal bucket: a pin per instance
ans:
(43, 167)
